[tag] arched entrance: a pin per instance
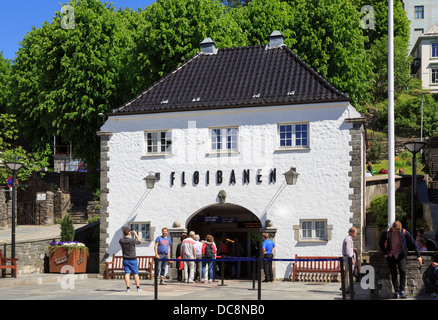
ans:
(229, 224)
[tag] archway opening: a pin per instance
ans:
(236, 231)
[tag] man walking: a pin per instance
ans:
(188, 251)
(129, 257)
(162, 250)
(268, 249)
(394, 244)
(348, 252)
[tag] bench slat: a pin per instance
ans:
(320, 266)
(145, 263)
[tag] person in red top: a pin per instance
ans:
(394, 244)
(208, 252)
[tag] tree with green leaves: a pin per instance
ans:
(170, 32)
(380, 13)
(261, 17)
(330, 39)
(12, 151)
(63, 78)
(5, 74)
(402, 67)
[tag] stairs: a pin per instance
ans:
(79, 198)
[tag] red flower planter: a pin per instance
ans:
(60, 257)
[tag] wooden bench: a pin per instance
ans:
(315, 268)
(145, 264)
(4, 266)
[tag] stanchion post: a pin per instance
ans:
(155, 278)
(253, 264)
(222, 273)
(259, 271)
(341, 265)
(350, 275)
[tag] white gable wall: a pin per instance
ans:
(322, 190)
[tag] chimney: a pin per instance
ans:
(207, 46)
(275, 39)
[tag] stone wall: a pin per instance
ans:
(5, 208)
(32, 255)
(414, 283)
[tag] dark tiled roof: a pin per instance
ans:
(235, 77)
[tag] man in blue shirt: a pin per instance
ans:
(268, 248)
(162, 245)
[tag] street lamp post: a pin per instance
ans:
(414, 147)
(14, 167)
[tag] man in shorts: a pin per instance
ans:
(129, 257)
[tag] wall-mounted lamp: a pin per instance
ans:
(291, 176)
(150, 180)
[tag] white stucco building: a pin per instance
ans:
(422, 14)
(425, 53)
(232, 122)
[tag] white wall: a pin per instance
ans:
(322, 190)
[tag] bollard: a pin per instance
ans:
(341, 264)
(350, 274)
(253, 264)
(222, 274)
(155, 279)
(259, 276)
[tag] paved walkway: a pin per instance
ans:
(89, 287)
(29, 233)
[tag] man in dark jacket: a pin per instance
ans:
(394, 244)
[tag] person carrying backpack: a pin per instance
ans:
(208, 252)
(394, 244)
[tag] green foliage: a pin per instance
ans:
(407, 113)
(380, 30)
(170, 32)
(62, 79)
(67, 229)
(375, 151)
(330, 40)
(10, 150)
(379, 208)
(5, 70)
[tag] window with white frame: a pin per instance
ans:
(434, 50)
(158, 142)
(293, 135)
(313, 230)
(224, 139)
(143, 230)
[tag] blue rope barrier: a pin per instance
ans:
(234, 259)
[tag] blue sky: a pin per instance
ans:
(17, 17)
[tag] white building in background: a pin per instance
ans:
(218, 133)
(423, 14)
(425, 53)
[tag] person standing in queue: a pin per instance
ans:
(268, 249)
(162, 251)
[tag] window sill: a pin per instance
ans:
(291, 149)
(157, 155)
(312, 241)
(222, 153)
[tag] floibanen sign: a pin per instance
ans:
(220, 177)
